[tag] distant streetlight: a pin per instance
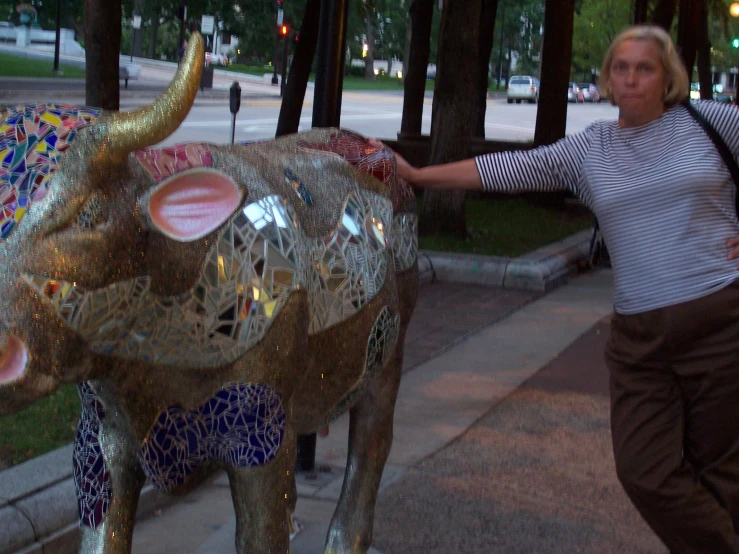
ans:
(734, 9)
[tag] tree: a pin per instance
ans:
(595, 27)
(704, 56)
(454, 113)
(664, 13)
(369, 50)
(640, 12)
(102, 47)
(414, 66)
(688, 24)
(551, 117)
(487, 34)
(305, 52)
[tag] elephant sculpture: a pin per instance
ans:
(211, 302)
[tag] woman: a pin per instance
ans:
(665, 202)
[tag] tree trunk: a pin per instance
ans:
(72, 24)
(102, 51)
(487, 35)
(153, 31)
(139, 6)
(407, 46)
(688, 25)
(664, 13)
(551, 117)
(508, 63)
(415, 66)
(640, 11)
(305, 51)
(704, 56)
(454, 113)
(369, 60)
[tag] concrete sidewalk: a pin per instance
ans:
(502, 442)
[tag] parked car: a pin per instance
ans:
(574, 94)
(725, 99)
(590, 92)
(523, 87)
(216, 59)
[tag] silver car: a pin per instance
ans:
(590, 92)
(523, 87)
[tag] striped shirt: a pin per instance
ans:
(661, 192)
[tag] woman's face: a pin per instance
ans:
(638, 81)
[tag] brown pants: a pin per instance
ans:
(675, 419)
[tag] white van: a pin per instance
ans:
(523, 87)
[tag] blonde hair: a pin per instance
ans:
(676, 78)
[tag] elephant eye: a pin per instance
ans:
(91, 214)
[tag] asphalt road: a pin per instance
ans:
(370, 113)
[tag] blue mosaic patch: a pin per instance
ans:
(241, 426)
(91, 476)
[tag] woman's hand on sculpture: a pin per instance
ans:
(405, 170)
(455, 175)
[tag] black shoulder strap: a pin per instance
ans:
(719, 143)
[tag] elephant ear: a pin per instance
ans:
(191, 204)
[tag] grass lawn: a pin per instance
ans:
(350, 83)
(42, 427)
(13, 66)
(511, 227)
(504, 227)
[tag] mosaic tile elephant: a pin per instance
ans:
(211, 302)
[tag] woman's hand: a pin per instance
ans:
(733, 245)
(455, 175)
(405, 170)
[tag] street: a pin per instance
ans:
(372, 114)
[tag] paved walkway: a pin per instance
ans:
(502, 442)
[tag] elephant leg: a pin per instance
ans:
(262, 501)
(370, 439)
(108, 479)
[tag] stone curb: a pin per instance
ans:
(540, 270)
(38, 507)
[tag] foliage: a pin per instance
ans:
(12, 66)
(384, 20)
(596, 25)
(45, 11)
(722, 29)
(518, 34)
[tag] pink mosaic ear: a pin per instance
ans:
(191, 204)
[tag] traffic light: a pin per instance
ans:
(735, 43)
(284, 30)
(296, 37)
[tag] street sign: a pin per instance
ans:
(279, 16)
(137, 22)
(206, 25)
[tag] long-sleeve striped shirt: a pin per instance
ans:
(661, 192)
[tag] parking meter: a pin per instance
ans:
(235, 104)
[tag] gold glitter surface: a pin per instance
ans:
(146, 126)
